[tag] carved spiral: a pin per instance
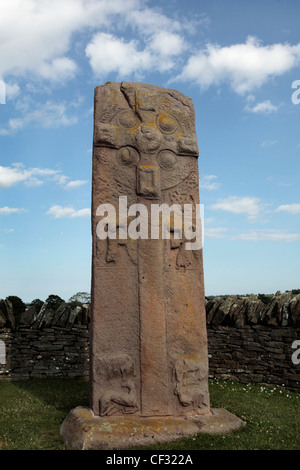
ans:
(167, 159)
(128, 156)
(167, 124)
(127, 120)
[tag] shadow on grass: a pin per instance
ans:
(63, 394)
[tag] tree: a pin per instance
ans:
(37, 303)
(54, 301)
(79, 299)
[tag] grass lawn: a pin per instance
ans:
(31, 413)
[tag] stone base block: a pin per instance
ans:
(83, 430)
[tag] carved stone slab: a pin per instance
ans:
(149, 351)
(149, 358)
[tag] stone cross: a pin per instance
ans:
(148, 343)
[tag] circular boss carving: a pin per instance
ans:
(127, 119)
(167, 159)
(128, 156)
(167, 124)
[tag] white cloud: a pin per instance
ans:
(36, 41)
(60, 179)
(108, 53)
(265, 107)
(258, 235)
(36, 37)
(207, 182)
(12, 90)
(268, 143)
(75, 184)
(151, 20)
(245, 66)
(9, 176)
(268, 235)
(209, 220)
(61, 67)
(250, 98)
(10, 210)
(218, 232)
(167, 44)
(33, 181)
(12, 175)
(155, 47)
(8, 230)
(59, 212)
(17, 173)
(290, 208)
(249, 206)
(47, 115)
(36, 34)
(195, 23)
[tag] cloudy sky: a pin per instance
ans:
(238, 61)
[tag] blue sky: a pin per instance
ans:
(236, 60)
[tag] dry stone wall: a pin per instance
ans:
(44, 344)
(283, 310)
(248, 341)
(254, 354)
(49, 352)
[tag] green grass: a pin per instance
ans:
(31, 413)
